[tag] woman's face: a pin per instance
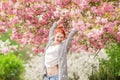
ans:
(59, 37)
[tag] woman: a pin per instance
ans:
(55, 59)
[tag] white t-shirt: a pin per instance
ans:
(51, 56)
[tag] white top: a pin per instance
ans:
(51, 56)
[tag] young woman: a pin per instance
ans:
(55, 58)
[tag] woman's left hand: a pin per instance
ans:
(76, 28)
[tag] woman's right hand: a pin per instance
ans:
(62, 18)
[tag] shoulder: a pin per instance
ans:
(64, 41)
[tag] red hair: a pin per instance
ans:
(60, 29)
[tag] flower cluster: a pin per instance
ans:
(30, 21)
(6, 47)
(80, 66)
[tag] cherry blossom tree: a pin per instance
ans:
(97, 21)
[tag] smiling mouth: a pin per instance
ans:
(58, 41)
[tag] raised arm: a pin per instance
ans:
(55, 24)
(51, 33)
(70, 38)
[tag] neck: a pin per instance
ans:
(56, 43)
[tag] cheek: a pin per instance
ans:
(62, 38)
(56, 38)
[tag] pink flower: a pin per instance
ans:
(5, 50)
(15, 35)
(100, 11)
(84, 4)
(5, 5)
(118, 36)
(25, 1)
(95, 38)
(94, 9)
(35, 50)
(37, 40)
(108, 7)
(110, 28)
(62, 3)
(100, 20)
(88, 25)
(2, 30)
(41, 50)
(95, 33)
(104, 20)
(95, 1)
(15, 20)
(44, 40)
(14, 1)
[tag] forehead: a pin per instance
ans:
(59, 34)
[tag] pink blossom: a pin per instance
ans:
(84, 5)
(44, 22)
(63, 3)
(88, 25)
(25, 1)
(104, 20)
(14, 1)
(37, 40)
(95, 1)
(108, 7)
(24, 41)
(75, 25)
(5, 50)
(37, 0)
(5, 5)
(30, 21)
(100, 20)
(95, 38)
(15, 35)
(119, 29)
(83, 47)
(27, 38)
(39, 11)
(15, 20)
(2, 23)
(94, 9)
(2, 30)
(98, 10)
(95, 33)
(16, 5)
(110, 28)
(118, 36)
(35, 50)
(41, 50)
(74, 42)
(44, 40)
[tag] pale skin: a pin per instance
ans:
(58, 38)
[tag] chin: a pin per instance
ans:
(59, 42)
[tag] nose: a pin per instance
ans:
(59, 39)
